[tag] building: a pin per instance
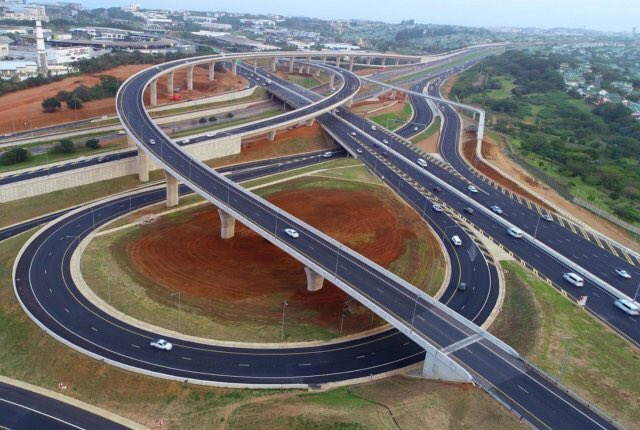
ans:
(22, 12)
(101, 33)
(300, 46)
(4, 46)
(18, 69)
(54, 55)
(340, 47)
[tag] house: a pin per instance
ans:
(625, 87)
(5, 41)
(18, 69)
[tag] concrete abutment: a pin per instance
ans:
(314, 280)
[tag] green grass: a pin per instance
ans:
(266, 114)
(304, 81)
(438, 68)
(308, 169)
(394, 120)
(600, 365)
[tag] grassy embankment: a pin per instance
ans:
(553, 332)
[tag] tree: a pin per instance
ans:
(64, 147)
(82, 92)
(92, 143)
(51, 104)
(74, 103)
(13, 156)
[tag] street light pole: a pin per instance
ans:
(284, 306)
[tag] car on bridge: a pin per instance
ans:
(455, 239)
(152, 142)
(462, 287)
(472, 189)
(436, 208)
(421, 162)
(515, 232)
(623, 273)
(574, 278)
(547, 217)
(291, 232)
(496, 209)
(161, 344)
(469, 210)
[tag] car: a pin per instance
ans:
(185, 141)
(496, 209)
(462, 286)
(385, 141)
(547, 217)
(437, 208)
(628, 306)
(291, 232)
(472, 189)
(373, 127)
(152, 142)
(415, 129)
(161, 344)
(421, 162)
(359, 151)
(327, 154)
(8, 134)
(623, 273)
(353, 133)
(211, 134)
(469, 210)
(121, 132)
(437, 189)
(573, 278)
(515, 232)
(455, 239)
(384, 153)
(337, 111)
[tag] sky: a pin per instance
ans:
(606, 15)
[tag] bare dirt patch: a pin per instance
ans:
(248, 278)
(22, 110)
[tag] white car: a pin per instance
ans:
(385, 141)
(161, 344)
(623, 273)
(415, 128)
(421, 162)
(547, 217)
(359, 151)
(121, 133)
(515, 232)
(455, 239)
(628, 306)
(291, 232)
(436, 208)
(373, 127)
(472, 189)
(152, 142)
(185, 141)
(327, 154)
(211, 134)
(574, 278)
(496, 209)
(353, 133)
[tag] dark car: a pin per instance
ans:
(437, 189)
(468, 210)
(462, 286)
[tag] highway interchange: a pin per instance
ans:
(481, 357)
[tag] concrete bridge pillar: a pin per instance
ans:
(143, 166)
(396, 61)
(394, 94)
(172, 189)
(131, 142)
(309, 122)
(369, 60)
(271, 135)
(190, 78)
(153, 89)
(349, 103)
(212, 71)
(338, 61)
(170, 83)
(314, 280)
(332, 81)
(324, 60)
(234, 68)
(291, 65)
(317, 72)
(274, 64)
(351, 64)
(227, 225)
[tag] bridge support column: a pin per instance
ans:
(212, 71)
(439, 366)
(314, 281)
(274, 64)
(131, 142)
(291, 65)
(394, 94)
(349, 103)
(190, 78)
(332, 81)
(234, 68)
(172, 189)
(170, 83)
(317, 73)
(153, 90)
(338, 62)
(271, 135)
(351, 64)
(324, 60)
(227, 225)
(309, 122)
(396, 61)
(369, 60)
(143, 166)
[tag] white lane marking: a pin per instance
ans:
(243, 365)
(304, 364)
(135, 346)
(50, 290)
(406, 343)
(186, 358)
(40, 413)
(361, 356)
(67, 310)
(523, 389)
(94, 329)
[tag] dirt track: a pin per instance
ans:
(247, 277)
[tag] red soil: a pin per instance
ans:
(248, 276)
